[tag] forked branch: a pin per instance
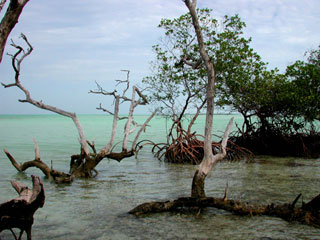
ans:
(130, 125)
(17, 59)
(9, 20)
(50, 173)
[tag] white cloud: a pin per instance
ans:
(84, 41)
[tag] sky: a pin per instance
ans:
(79, 42)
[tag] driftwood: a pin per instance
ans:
(308, 213)
(18, 212)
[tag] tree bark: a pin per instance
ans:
(129, 121)
(9, 20)
(288, 212)
(142, 128)
(209, 160)
(18, 212)
(2, 3)
(50, 173)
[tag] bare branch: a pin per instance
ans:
(109, 112)
(37, 152)
(209, 160)
(129, 122)
(16, 64)
(107, 148)
(191, 4)
(125, 81)
(135, 124)
(144, 98)
(103, 109)
(17, 186)
(34, 163)
(9, 20)
(194, 65)
(2, 3)
(207, 165)
(143, 127)
(100, 90)
(225, 197)
(50, 173)
(12, 160)
(91, 144)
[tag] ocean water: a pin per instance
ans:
(98, 208)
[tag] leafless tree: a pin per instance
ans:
(9, 20)
(83, 164)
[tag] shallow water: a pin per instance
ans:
(97, 209)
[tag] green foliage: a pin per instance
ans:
(269, 101)
(173, 81)
(286, 103)
(304, 86)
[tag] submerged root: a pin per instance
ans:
(283, 145)
(188, 149)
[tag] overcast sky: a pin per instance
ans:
(77, 42)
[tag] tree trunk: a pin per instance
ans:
(18, 212)
(305, 215)
(197, 188)
(209, 160)
(9, 20)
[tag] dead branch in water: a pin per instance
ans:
(306, 214)
(18, 212)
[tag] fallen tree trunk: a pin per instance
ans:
(307, 214)
(18, 212)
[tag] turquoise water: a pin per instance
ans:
(97, 209)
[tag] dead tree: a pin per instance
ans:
(130, 121)
(9, 20)
(308, 213)
(18, 212)
(83, 164)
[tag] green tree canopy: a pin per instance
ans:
(271, 103)
(304, 86)
(177, 82)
